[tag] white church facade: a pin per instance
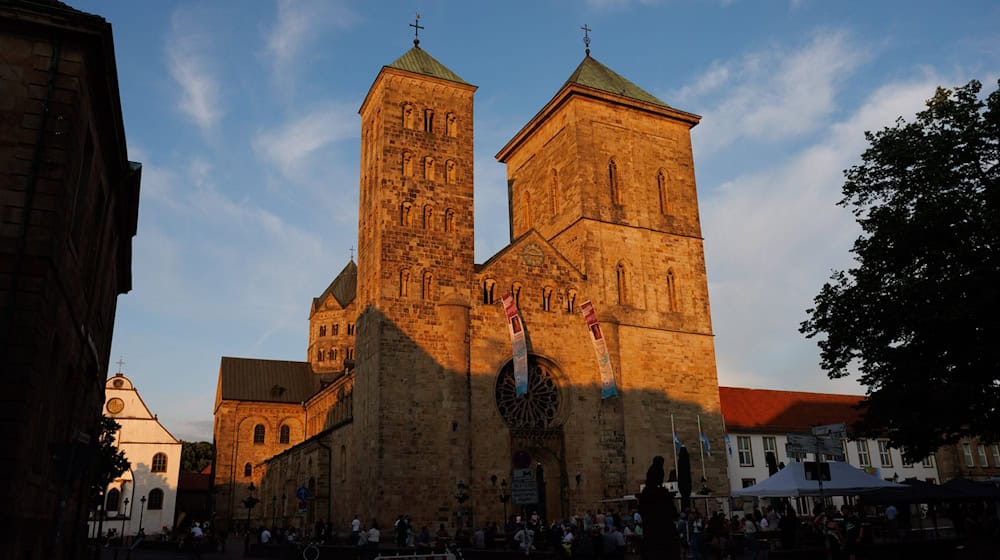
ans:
(144, 497)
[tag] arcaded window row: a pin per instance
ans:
(429, 169)
(259, 433)
(491, 295)
(410, 117)
(335, 329)
(623, 284)
(428, 221)
(323, 354)
(406, 278)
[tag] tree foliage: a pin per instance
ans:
(110, 461)
(917, 315)
(196, 455)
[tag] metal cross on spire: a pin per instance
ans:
(352, 253)
(120, 362)
(586, 37)
(416, 31)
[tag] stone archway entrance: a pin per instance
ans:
(535, 421)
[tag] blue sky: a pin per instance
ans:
(244, 115)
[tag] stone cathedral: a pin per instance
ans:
(406, 404)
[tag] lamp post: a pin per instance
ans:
(142, 508)
(461, 496)
(250, 501)
(504, 496)
(124, 512)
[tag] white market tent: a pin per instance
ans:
(790, 481)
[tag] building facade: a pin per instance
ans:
(407, 403)
(970, 458)
(143, 497)
(68, 211)
(758, 422)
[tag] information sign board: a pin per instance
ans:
(523, 488)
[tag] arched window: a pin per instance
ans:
(407, 164)
(547, 299)
(616, 195)
(155, 499)
(451, 125)
(571, 301)
(451, 172)
(247, 470)
(661, 190)
(336, 329)
(515, 290)
(159, 463)
(672, 290)
(621, 276)
(428, 120)
(489, 290)
(554, 186)
(319, 355)
(258, 433)
(111, 503)
(428, 217)
(404, 282)
(333, 354)
(426, 285)
(429, 168)
(449, 220)
(407, 115)
(285, 434)
(322, 330)
(405, 218)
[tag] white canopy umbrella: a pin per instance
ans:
(790, 481)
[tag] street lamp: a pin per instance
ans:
(124, 512)
(250, 501)
(461, 496)
(504, 496)
(142, 508)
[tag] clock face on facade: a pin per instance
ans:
(115, 405)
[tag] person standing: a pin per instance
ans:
(355, 530)
(656, 508)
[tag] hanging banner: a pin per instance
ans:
(608, 388)
(518, 344)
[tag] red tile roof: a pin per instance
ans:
(770, 411)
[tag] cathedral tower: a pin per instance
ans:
(605, 173)
(415, 267)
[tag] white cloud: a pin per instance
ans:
(298, 25)
(774, 94)
(294, 142)
(773, 238)
(200, 92)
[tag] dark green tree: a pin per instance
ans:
(917, 316)
(110, 462)
(196, 455)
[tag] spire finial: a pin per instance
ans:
(120, 362)
(586, 37)
(416, 31)
(352, 253)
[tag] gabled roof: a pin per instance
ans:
(249, 379)
(417, 60)
(344, 287)
(523, 240)
(591, 73)
(771, 411)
